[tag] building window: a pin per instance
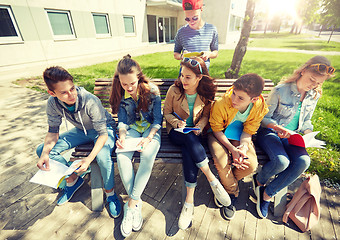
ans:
(61, 24)
(9, 32)
(129, 24)
(173, 27)
(235, 23)
(101, 23)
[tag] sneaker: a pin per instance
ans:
(137, 218)
(69, 191)
(229, 211)
(221, 194)
(217, 203)
(186, 216)
(114, 206)
(126, 225)
(261, 205)
(254, 182)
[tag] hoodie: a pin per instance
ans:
(89, 113)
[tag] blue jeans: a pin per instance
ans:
(193, 155)
(287, 161)
(135, 183)
(76, 137)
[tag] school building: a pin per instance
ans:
(35, 34)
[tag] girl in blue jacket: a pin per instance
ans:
(138, 104)
(291, 106)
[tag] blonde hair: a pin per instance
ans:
(306, 67)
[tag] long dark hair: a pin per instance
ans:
(125, 66)
(206, 87)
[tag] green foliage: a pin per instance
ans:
(308, 10)
(331, 13)
(247, 18)
(325, 163)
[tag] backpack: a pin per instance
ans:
(304, 208)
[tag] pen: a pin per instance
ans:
(178, 116)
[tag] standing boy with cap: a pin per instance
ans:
(197, 35)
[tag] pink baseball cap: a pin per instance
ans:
(192, 4)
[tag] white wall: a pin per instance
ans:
(218, 12)
(39, 50)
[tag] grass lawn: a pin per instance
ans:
(271, 65)
(292, 41)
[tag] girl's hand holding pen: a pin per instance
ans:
(181, 123)
(120, 142)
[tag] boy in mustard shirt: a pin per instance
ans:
(234, 118)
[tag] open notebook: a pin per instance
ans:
(55, 176)
(130, 145)
(307, 140)
(186, 129)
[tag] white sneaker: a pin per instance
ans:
(186, 216)
(137, 217)
(221, 194)
(126, 225)
(217, 203)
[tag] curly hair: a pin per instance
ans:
(206, 87)
(126, 66)
(306, 67)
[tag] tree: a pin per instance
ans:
(307, 10)
(330, 15)
(241, 46)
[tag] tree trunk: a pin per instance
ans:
(241, 47)
(320, 31)
(296, 29)
(293, 27)
(330, 36)
(300, 28)
(278, 28)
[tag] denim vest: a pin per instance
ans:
(283, 103)
(128, 106)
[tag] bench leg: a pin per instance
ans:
(280, 201)
(96, 188)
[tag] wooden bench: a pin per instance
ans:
(168, 153)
